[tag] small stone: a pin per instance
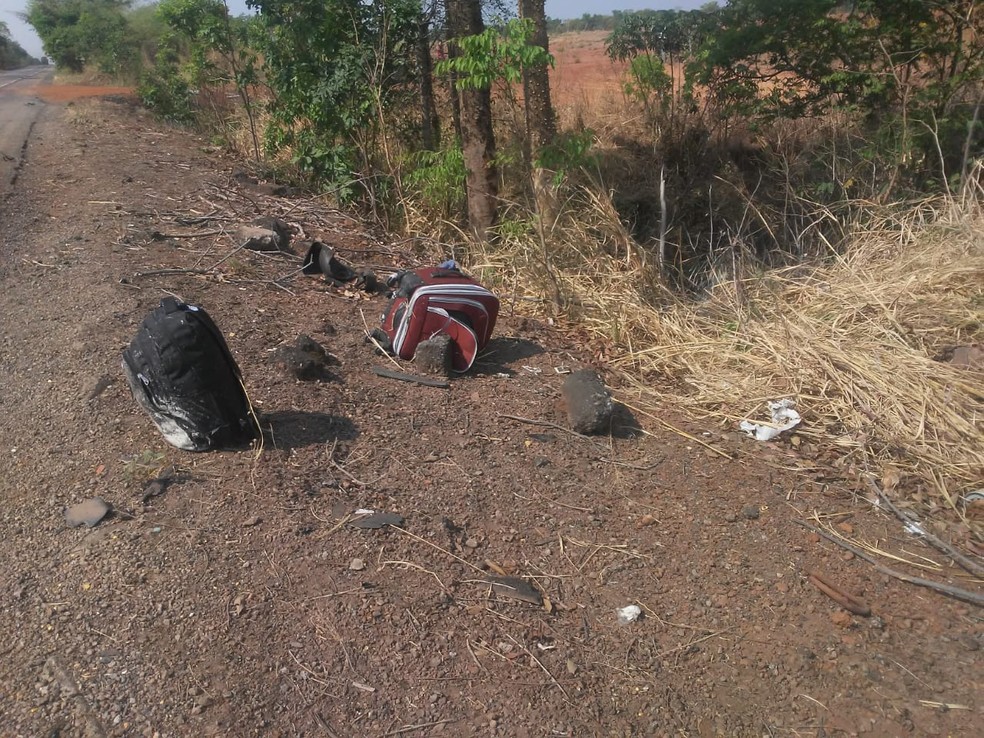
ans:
(646, 520)
(253, 521)
(845, 527)
(472, 543)
(256, 238)
(541, 461)
(357, 565)
(571, 667)
(87, 513)
(841, 618)
(751, 512)
(730, 517)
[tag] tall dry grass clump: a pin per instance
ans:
(854, 340)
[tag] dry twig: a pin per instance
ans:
(956, 592)
(914, 526)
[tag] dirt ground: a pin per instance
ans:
(71, 93)
(584, 81)
(236, 600)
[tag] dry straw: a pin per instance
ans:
(855, 340)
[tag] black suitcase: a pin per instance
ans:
(182, 373)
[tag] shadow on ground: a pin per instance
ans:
(500, 353)
(290, 429)
(625, 425)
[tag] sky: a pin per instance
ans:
(25, 36)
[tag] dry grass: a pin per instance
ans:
(852, 340)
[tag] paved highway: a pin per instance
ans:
(19, 108)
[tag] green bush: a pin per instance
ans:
(164, 92)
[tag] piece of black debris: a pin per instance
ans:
(88, 513)
(375, 520)
(321, 259)
(158, 486)
(366, 280)
(516, 588)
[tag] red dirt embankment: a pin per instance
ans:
(57, 93)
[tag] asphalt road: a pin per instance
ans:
(19, 109)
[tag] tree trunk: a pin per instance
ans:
(430, 125)
(477, 139)
(541, 124)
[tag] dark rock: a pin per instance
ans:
(433, 356)
(751, 512)
(306, 359)
(588, 402)
(87, 513)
